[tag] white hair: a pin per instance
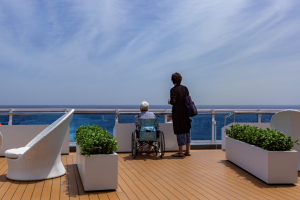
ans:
(144, 106)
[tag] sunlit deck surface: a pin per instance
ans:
(204, 175)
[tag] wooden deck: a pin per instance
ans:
(204, 175)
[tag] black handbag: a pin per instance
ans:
(191, 108)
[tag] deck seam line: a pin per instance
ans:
(175, 184)
(33, 190)
(208, 177)
(59, 186)
(6, 190)
(161, 184)
(134, 184)
(162, 180)
(15, 191)
(122, 190)
(142, 182)
(129, 187)
(170, 168)
(76, 179)
(150, 182)
(67, 174)
(251, 176)
(5, 178)
(51, 189)
(197, 186)
(42, 190)
(207, 183)
(216, 183)
(24, 190)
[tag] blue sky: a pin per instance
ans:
(234, 52)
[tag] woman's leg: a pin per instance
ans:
(188, 147)
(180, 140)
(180, 149)
(188, 144)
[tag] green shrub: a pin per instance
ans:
(268, 139)
(95, 140)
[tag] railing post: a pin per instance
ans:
(166, 116)
(117, 117)
(259, 116)
(10, 117)
(212, 126)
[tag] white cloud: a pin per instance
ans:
(118, 48)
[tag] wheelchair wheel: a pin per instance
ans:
(161, 145)
(134, 145)
(132, 142)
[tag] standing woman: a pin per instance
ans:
(181, 120)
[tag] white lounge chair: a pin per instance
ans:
(288, 122)
(41, 157)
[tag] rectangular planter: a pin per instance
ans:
(98, 172)
(272, 167)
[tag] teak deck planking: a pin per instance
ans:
(204, 175)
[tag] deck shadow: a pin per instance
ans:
(251, 178)
(75, 187)
(3, 178)
(150, 156)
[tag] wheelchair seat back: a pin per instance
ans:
(147, 129)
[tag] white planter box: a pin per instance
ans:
(273, 167)
(98, 172)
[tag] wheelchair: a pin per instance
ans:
(147, 133)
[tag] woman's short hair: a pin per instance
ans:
(176, 78)
(144, 106)
(170, 115)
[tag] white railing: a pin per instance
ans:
(117, 112)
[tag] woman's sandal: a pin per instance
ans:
(177, 155)
(187, 154)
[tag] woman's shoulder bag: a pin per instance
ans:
(191, 108)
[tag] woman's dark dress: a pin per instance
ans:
(181, 120)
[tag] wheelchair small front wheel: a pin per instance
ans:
(161, 145)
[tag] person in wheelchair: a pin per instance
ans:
(144, 114)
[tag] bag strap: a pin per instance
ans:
(186, 95)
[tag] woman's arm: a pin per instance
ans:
(173, 96)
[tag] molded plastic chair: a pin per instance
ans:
(288, 122)
(41, 157)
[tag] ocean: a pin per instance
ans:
(201, 124)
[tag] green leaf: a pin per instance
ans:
(95, 140)
(267, 139)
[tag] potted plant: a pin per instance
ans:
(96, 156)
(265, 153)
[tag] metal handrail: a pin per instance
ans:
(229, 116)
(39, 113)
(127, 110)
(246, 113)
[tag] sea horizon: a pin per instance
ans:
(155, 106)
